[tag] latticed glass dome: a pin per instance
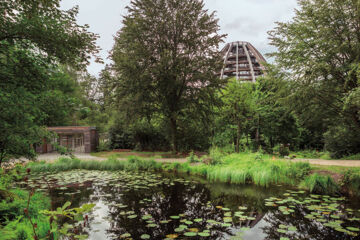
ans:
(243, 61)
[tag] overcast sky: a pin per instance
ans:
(242, 20)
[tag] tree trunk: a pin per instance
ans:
(2, 156)
(173, 125)
(238, 136)
(257, 135)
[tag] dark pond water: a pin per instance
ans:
(133, 205)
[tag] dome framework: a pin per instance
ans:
(243, 61)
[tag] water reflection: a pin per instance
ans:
(122, 205)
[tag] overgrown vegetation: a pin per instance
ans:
(248, 168)
(27, 214)
(320, 184)
(112, 164)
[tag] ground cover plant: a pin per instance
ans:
(26, 210)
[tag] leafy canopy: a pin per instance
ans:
(166, 59)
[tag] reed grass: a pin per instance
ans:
(243, 168)
(321, 184)
(111, 164)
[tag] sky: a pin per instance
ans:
(241, 20)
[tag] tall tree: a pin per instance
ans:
(166, 59)
(320, 48)
(35, 38)
(239, 107)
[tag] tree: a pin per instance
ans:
(53, 32)
(166, 59)
(238, 106)
(35, 38)
(320, 49)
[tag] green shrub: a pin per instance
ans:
(321, 184)
(341, 141)
(103, 146)
(15, 224)
(352, 157)
(281, 150)
(351, 180)
(192, 158)
(216, 156)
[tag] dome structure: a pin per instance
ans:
(243, 61)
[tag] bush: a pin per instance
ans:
(120, 137)
(341, 141)
(281, 150)
(192, 158)
(216, 156)
(15, 225)
(320, 184)
(351, 181)
(103, 146)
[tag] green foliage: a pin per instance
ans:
(342, 141)
(167, 71)
(112, 164)
(15, 224)
(320, 184)
(35, 90)
(311, 154)
(351, 181)
(281, 150)
(72, 213)
(238, 107)
(243, 168)
(192, 158)
(352, 157)
(319, 50)
(216, 156)
(103, 146)
(53, 31)
(8, 177)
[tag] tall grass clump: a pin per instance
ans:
(250, 168)
(111, 164)
(321, 184)
(351, 181)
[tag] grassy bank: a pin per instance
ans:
(112, 164)
(248, 168)
(242, 168)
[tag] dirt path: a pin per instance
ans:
(342, 163)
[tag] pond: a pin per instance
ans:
(143, 205)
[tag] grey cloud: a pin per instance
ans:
(242, 20)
